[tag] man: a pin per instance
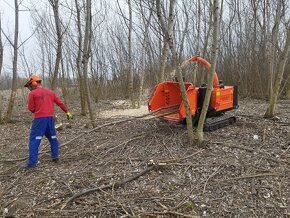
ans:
(41, 102)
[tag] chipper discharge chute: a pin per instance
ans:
(166, 101)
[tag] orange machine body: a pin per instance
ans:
(222, 99)
(166, 96)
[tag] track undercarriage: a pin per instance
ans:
(214, 123)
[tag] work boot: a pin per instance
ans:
(55, 160)
(27, 167)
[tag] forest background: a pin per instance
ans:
(117, 49)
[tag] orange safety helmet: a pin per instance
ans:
(33, 81)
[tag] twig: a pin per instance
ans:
(212, 175)
(55, 211)
(68, 186)
(162, 115)
(163, 108)
(173, 213)
(160, 204)
(235, 146)
(251, 176)
(24, 158)
(134, 118)
(286, 150)
(163, 143)
(251, 116)
(253, 150)
(125, 143)
(182, 158)
(186, 197)
(14, 160)
(114, 185)
(121, 205)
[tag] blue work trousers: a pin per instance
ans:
(40, 127)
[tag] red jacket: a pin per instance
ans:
(41, 102)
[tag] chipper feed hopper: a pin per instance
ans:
(166, 101)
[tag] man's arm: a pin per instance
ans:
(31, 104)
(60, 103)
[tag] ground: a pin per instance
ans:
(137, 167)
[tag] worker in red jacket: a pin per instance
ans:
(41, 102)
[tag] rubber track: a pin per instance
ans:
(214, 123)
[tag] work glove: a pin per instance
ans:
(69, 115)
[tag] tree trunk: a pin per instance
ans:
(198, 27)
(130, 63)
(86, 56)
(163, 60)
(167, 32)
(1, 65)
(214, 54)
(78, 63)
(166, 46)
(63, 83)
(8, 115)
(283, 59)
(186, 102)
(273, 46)
(184, 32)
(143, 53)
(204, 52)
(55, 7)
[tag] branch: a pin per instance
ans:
(167, 212)
(251, 176)
(11, 43)
(179, 159)
(113, 185)
(276, 160)
(29, 36)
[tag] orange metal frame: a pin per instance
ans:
(207, 65)
(168, 94)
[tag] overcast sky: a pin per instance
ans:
(25, 29)
(7, 14)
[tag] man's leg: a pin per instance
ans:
(50, 134)
(36, 132)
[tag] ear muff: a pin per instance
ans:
(34, 84)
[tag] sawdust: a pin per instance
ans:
(115, 113)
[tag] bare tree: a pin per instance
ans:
(86, 57)
(55, 7)
(130, 62)
(274, 44)
(64, 81)
(184, 32)
(78, 61)
(281, 66)
(9, 111)
(214, 54)
(143, 51)
(168, 37)
(169, 28)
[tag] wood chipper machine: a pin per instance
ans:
(166, 101)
